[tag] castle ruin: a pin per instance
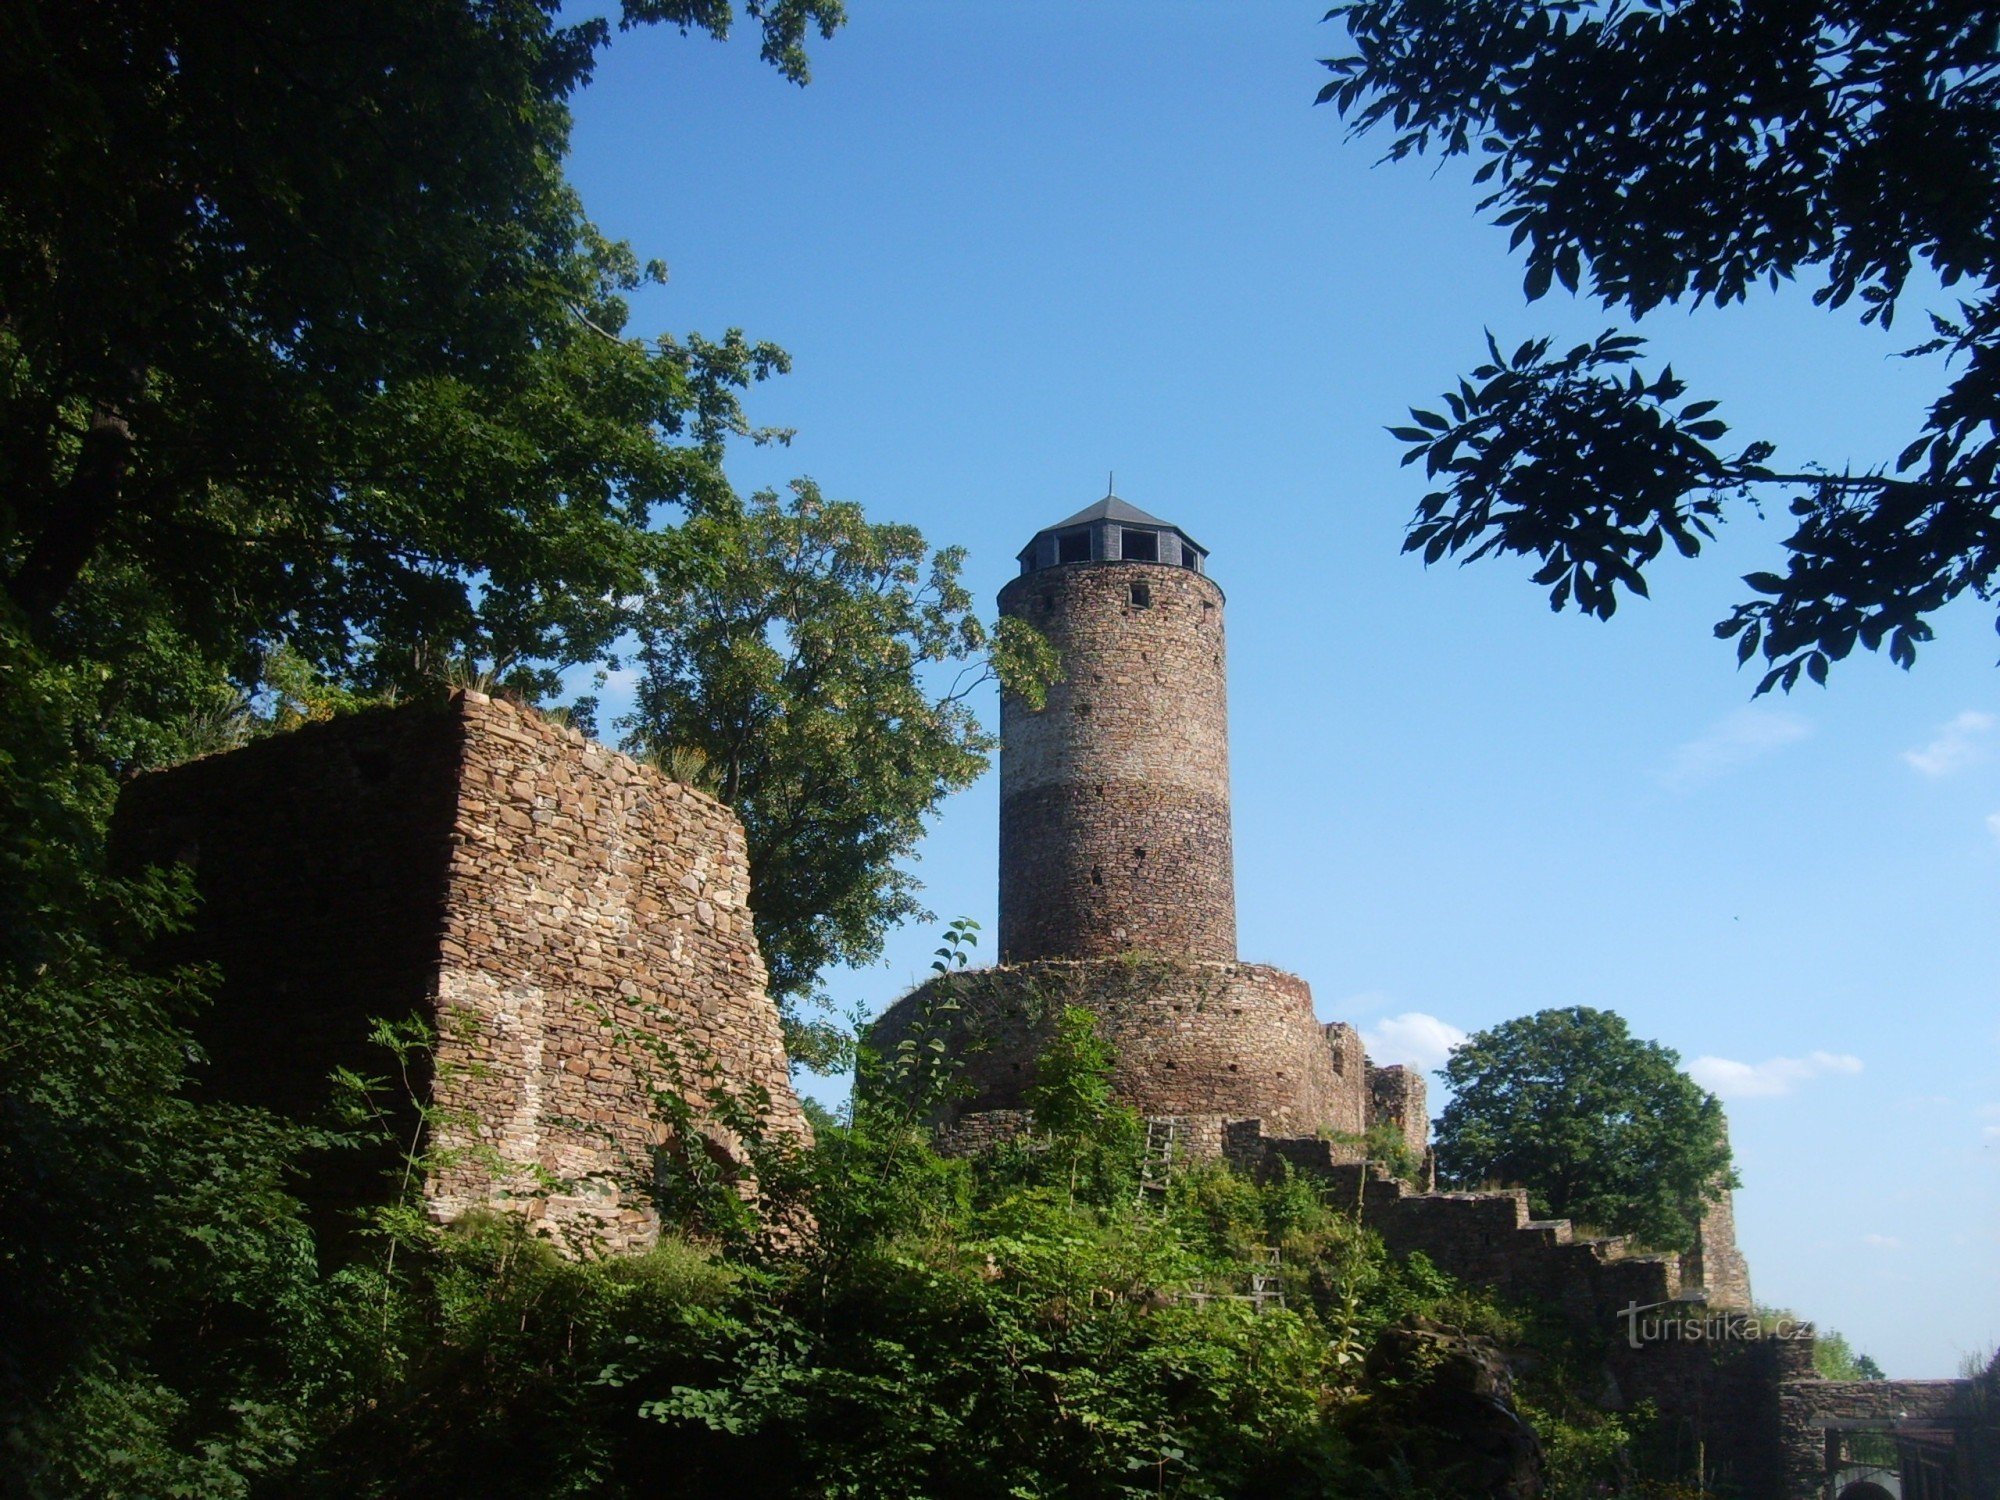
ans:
(1117, 875)
(572, 927)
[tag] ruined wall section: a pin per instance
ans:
(1715, 1263)
(320, 860)
(1396, 1099)
(1726, 1387)
(597, 945)
(1114, 797)
(573, 924)
(1210, 1040)
(1811, 1412)
(1488, 1239)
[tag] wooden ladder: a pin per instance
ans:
(1156, 1166)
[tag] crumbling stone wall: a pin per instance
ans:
(1964, 1414)
(1396, 1098)
(1719, 1384)
(1114, 797)
(573, 924)
(1488, 1239)
(1207, 1042)
(1715, 1264)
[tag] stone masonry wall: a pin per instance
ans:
(1721, 1392)
(1716, 1264)
(1114, 797)
(321, 859)
(1810, 1411)
(1396, 1098)
(1220, 1041)
(1487, 1238)
(573, 923)
(597, 944)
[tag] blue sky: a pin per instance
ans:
(1011, 248)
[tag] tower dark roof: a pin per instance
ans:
(1111, 508)
(1096, 534)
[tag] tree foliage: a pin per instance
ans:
(1651, 152)
(819, 663)
(312, 379)
(304, 337)
(1596, 1124)
(952, 1327)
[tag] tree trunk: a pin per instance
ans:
(71, 537)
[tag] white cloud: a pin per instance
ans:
(1956, 746)
(1412, 1037)
(1882, 1241)
(1734, 740)
(1729, 1079)
(1993, 824)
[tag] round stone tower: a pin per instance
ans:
(1117, 893)
(1114, 796)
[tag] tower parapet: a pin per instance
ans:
(1114, 796)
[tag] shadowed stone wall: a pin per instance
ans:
(1947, 1429)
(573, 924)
(1114, 797)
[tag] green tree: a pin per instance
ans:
(820, 663)
(1669, 151)
(312, 375)
(1093, 1141)
(304, 336)
(1834, 1358)
(1596, 1124)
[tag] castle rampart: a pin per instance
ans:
(1205, 1042)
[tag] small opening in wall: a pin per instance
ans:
(1083, 708)
(1015, 1066)
(1138, 853)
(1232, 1067)
(1139, 546)
(1171, 1064)
(1048, 602)
(1097, 875)
(1100, 791)
(1142, 596)
(1073, 546)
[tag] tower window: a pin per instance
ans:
(1140, 546)
(1073, 546)
(1142, 596)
